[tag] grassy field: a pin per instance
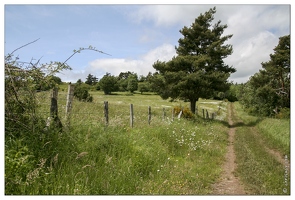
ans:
(166, 157)
(275, 132)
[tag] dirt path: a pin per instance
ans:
(229, 184)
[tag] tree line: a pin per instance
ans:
(124, 82)
(267, 92)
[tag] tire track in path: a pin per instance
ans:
(229, 184)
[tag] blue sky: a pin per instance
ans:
(137, 35)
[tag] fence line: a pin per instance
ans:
(69, 107)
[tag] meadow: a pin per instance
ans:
(167, 157)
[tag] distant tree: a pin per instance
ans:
(232, 95)
(56, 79)
(91, 79)
(198, 70)
(132, 83)
(108, 83)
(125, 75)
(79, 81)
(142, 78)
(97, 86)
(143, 87)
(123, 80)
(81, 92)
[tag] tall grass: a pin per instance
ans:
(166, 157)
(259, 170)
(275, 132)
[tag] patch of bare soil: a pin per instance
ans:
(229, 184)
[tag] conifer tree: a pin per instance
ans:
(198, 70)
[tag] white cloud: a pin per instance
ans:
(249, 54)
(140, 66)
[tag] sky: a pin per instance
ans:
(137, 35)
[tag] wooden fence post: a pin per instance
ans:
(196, 111)
(106, 112)
(54, 109)
(207, 114)
(212, 115)
(149, 115)
(203, 113)
(53, 106)
(70, 97)
(164, 113)
(172, 114)
(131, 115)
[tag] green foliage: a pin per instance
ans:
(108, 83)
(97, 86)
(18, 163)
(32, 148)
(123, 81)
(132, 84)
(198, 70)
(269, 90)
(91, 79)
(143, 87)
(79, 81)
(81, 92)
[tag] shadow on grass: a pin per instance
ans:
(242, 124)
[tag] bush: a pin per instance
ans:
(186, 112)
(82, 93)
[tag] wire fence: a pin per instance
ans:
(112, 113)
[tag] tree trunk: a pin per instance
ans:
(193, 105)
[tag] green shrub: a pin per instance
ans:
(81, 92)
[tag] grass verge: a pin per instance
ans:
(260, 171)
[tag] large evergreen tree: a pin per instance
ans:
(278, 69)
(198, 70)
